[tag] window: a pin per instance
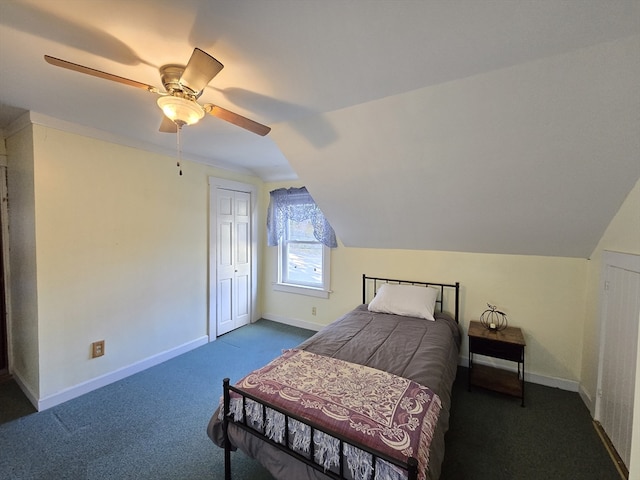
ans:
(302, 257)
(303, 236)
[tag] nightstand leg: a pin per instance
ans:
(522, 404)
(470, 368)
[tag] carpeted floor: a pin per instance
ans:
(552, 437)
(152, 425)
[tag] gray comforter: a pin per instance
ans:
(420, 350)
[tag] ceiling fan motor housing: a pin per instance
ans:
(170, 76)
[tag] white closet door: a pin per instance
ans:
(233, 260)
(618, 351)
(242, 273)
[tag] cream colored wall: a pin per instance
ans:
(24, 333)
(121, 242)
(542, 295)
(121, 248)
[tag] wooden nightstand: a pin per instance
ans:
(507, 344)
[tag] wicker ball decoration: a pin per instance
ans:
(493, 319)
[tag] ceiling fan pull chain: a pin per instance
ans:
(179, 148)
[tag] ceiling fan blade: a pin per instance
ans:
(98, 73)
(168, 125)
(201, 68)
(237, 119)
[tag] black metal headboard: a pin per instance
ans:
(375, 282)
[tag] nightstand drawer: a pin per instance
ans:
(497, 349)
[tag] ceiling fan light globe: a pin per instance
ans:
(181, 110)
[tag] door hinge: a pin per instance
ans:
(606, 286)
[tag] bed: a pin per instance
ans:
(312, 413)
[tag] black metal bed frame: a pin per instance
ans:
(441, 286)
(410, 466)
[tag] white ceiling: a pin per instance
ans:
(291, 64)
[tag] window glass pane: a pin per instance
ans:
(301, 231)
(305, 263)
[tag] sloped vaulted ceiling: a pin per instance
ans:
(533, 159)
(506, 126)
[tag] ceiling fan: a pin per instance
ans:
(183, 86)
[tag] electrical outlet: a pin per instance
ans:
(313, 310)
(97, 349)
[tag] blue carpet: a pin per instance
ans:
(152, 425)
(552, 437)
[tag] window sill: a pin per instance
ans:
(301, 290)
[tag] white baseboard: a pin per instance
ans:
(555, 382)
(586, 398)
(293, 322)
(108, 378)
(24, 386)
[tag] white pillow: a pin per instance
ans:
(407, 300)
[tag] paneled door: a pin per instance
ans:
(618, 349)
(4, 253)
(232, 289)
(4, 363)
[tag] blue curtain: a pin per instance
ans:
(296, 204)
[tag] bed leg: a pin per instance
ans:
(412, 471)
(225, 426)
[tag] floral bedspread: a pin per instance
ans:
(388, 413)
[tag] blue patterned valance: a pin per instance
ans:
(296, 204)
